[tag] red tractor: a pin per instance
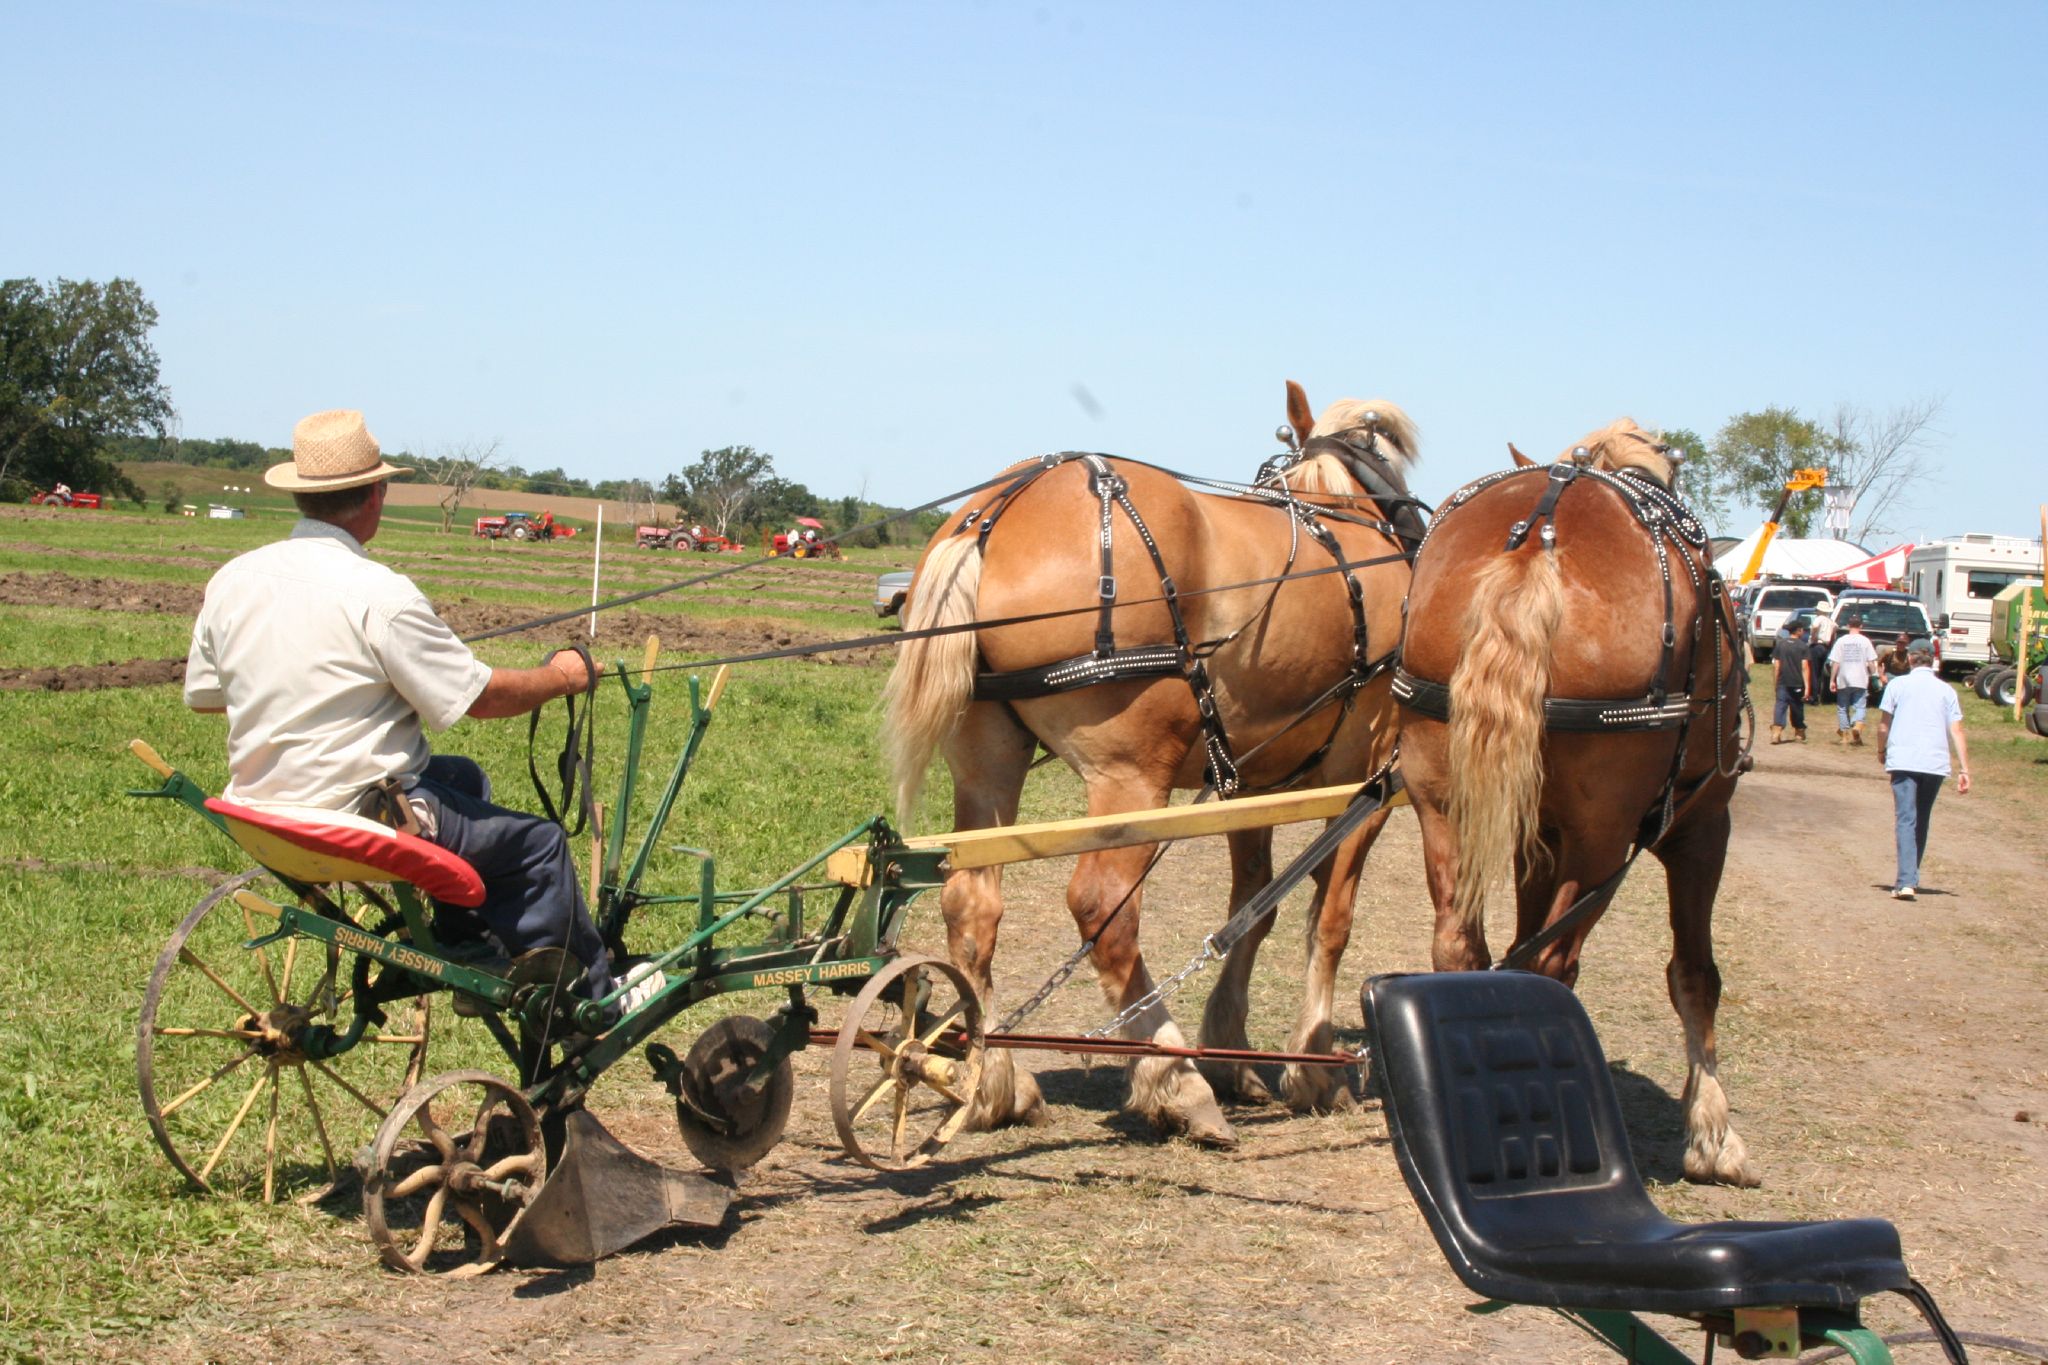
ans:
(523, 526)
(62, 496)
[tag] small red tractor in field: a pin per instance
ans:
(523, 526)
(62, 496)
(806, 540)
(683, 538)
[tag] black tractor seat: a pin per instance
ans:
(1508, 1131)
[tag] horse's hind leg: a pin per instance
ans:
(1693, 855)
(1319, 1088)
(1223, 1018)
(989, 756)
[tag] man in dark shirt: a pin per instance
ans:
(1791, 670)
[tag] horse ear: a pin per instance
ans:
(1299, 415)
(1521, 460)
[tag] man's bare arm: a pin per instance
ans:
(515, 691)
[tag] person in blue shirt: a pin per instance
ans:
(1918, 719)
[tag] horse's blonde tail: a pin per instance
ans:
(933, 681)
(1496, 727)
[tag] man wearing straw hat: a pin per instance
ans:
(331, 667)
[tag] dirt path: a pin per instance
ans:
(1881, 1058)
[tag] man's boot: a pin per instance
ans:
(1841, 735)
(1802, 734)
(1777, 734)
(1856, 736)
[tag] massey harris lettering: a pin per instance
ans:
(407, 958)
(793, 976)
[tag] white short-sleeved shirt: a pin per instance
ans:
(328, 664)
(1853, 655)
(1922, 708)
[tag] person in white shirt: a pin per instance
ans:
(1920, 719)
(331, 667)
(1850, 663)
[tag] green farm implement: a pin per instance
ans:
(284, 1039)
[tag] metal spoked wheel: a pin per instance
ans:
(907, 1063)
(728, 1121)
(457, 1163)
(229, 1089)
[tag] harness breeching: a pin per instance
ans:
(1673, 529)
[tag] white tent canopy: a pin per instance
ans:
(1789, 558)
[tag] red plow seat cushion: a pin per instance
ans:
(318, 846)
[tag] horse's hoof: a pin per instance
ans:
(1202, 1124)
(1724, 1168)
(1236, 1081)
(1313, 1091)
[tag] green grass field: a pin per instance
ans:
(103, 1238)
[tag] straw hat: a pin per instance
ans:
(330, 451)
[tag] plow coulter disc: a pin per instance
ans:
(729, 1120)
(231, 1095)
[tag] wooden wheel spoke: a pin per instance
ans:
(360, 1097)
(243, 1034)
(879, 1044)
(409, 1039)
(262, 956)
(951, 1017)
(313, 1107)
(218, 1072)
(291, 958)
(867, 1101)
(235, 1124)
(188, 956)
(435, 1134)
(943, 1089)
(473, 1215)
(479, 1131)
(270, 1139)
(417, 1181)
(527, 1164)
(430, 1224)
(902, 1121)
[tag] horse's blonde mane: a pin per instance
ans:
(1621, 444)
(1325, 474)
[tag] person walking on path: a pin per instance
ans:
(1919, 718)
(1850, 663)
(1793, 673)
(1895, 662)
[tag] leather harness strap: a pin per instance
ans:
(1108, 664)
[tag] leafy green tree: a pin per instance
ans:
(1757, 452)
(720, 487)
(77, 371)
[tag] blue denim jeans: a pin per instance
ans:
(1791, 702)
(1850, 705)
(1912, 809)
(531, 896)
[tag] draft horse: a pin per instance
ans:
(1572, 693)
(1188, 664)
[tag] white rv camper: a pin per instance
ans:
(1955, 579)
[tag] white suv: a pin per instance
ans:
(1771, 603)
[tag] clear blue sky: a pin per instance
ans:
(885, 242)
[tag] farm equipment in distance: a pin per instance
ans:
(523, 526)
(683, 538)
(806, 540)
(60, 496)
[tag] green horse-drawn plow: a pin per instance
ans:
(284, 1039)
